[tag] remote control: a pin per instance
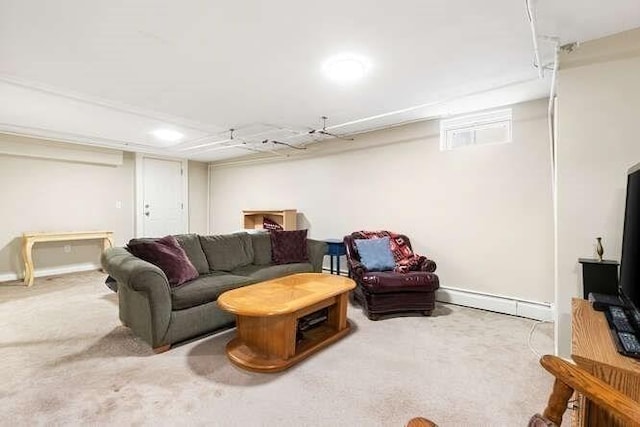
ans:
(629, 342)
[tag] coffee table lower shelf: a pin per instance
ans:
(314, 340)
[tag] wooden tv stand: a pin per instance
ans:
(593, 349)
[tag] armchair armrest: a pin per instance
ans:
(427, 265)
(571, 377)
(356, 268)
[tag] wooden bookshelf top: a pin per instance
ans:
(266, 211)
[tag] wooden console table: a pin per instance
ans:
(593, 349)
(28, 239)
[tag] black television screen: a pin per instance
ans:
(630, 260)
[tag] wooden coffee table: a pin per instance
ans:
(267, 315)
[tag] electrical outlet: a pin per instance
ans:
(67, 249)
(118, 204)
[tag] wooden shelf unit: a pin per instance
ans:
(593, 349)
(253, 219)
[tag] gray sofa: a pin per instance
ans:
(163, 315)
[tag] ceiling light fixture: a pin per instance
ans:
(168, 135)
(346, 68)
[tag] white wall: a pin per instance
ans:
(198, 197)
(40, 194)
(53, 186)
(598, 140)
(484, 214)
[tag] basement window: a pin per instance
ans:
(476, 129)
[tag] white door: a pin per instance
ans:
(163, 204)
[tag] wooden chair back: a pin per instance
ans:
(569, 378)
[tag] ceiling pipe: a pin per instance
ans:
(551, 112)
(534, 37)
(538, 65)
(434, 103)
(221, 141)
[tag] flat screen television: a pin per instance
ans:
(630, 259)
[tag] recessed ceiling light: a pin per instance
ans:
(346, 68)
(167, 135)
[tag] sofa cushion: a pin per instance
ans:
(228, 251)
(205, 289)
(167, 254)
(191, 245)
(376, 254)
(261, 248)
(289, 246)
(259, 273)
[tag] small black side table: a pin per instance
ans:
(336, 249)
(599, 276)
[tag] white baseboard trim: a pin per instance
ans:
(52, 271)
(498, 303)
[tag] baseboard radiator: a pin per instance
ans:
(497, 303)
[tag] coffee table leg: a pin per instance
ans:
(338, 312)
(268, 337)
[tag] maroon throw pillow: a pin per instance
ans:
(167, 254)
(289, 246)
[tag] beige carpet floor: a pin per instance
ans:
(66, 360)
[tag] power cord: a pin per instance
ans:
(572, 404)
(531, 331)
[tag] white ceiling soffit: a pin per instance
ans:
(70, 118)
(108, 73)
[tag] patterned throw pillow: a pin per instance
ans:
(168, 255)
(289, 246)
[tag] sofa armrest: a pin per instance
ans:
(317, 250)
(146, 281)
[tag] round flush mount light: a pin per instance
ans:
(168, 135)
(346, 68)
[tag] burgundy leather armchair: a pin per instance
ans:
(387, 292)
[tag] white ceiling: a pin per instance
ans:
(108, 73)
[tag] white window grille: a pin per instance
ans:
(476, 129)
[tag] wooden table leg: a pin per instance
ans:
(338, 312)
(107, 242)
(27, 246)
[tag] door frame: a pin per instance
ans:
(139, 183)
